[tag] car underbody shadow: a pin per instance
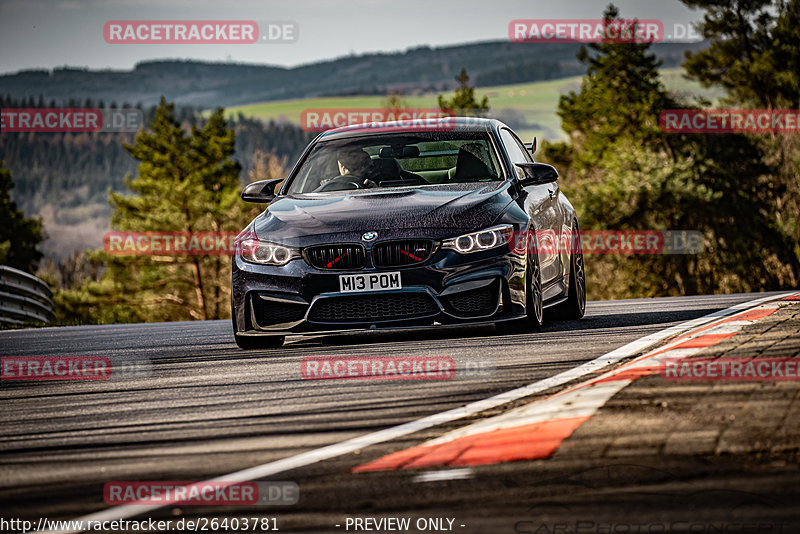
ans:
(592, 321)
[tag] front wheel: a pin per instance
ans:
(535, 300)
(254, 342)
(534, 303)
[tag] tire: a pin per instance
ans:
(533, 294)
(575, 306)
(259, 342)
(254, 342)
(533, 302)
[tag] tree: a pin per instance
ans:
(19, 236)
(754, 53)
(78, 291)
(266, 166)
(617, 98)
(464, 102)
(753, 50)
(394, 102)
(93, 287)
(624, 173)
(185, 183)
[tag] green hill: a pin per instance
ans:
(414, 71)
(530, 108)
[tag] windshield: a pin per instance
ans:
(397, 161)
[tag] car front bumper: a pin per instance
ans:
(448, 288)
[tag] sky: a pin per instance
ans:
(47, 34)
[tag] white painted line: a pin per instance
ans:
(447, 474)
(584, 399)
(667, 351)
(388, 434)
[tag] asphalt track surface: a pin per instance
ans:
(205, 408)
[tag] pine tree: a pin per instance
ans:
(754, 54)
(753, 51)
(617, 99)
(19, 236)
(623, 173)
(464, 102)
(185, 183)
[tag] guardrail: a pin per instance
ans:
(24, 298)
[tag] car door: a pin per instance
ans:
(541, 203)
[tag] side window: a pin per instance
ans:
(516, 151)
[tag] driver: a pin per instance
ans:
(354, 167)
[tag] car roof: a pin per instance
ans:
(446, 124)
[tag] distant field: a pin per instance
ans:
(530, 108)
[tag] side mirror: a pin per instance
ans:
(537, 173)
(261, 191)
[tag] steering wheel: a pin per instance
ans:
(335, 184)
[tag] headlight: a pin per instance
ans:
(483, 240)
(264, 253)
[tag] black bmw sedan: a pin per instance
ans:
(385, 226)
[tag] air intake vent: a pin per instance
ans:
(366, 308)
(400, 253)
(269, 312)
(335, 257)
(475, 303)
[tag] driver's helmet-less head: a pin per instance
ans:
(355, 160)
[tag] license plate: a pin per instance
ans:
(353, 283)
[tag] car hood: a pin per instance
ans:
(447, 207)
